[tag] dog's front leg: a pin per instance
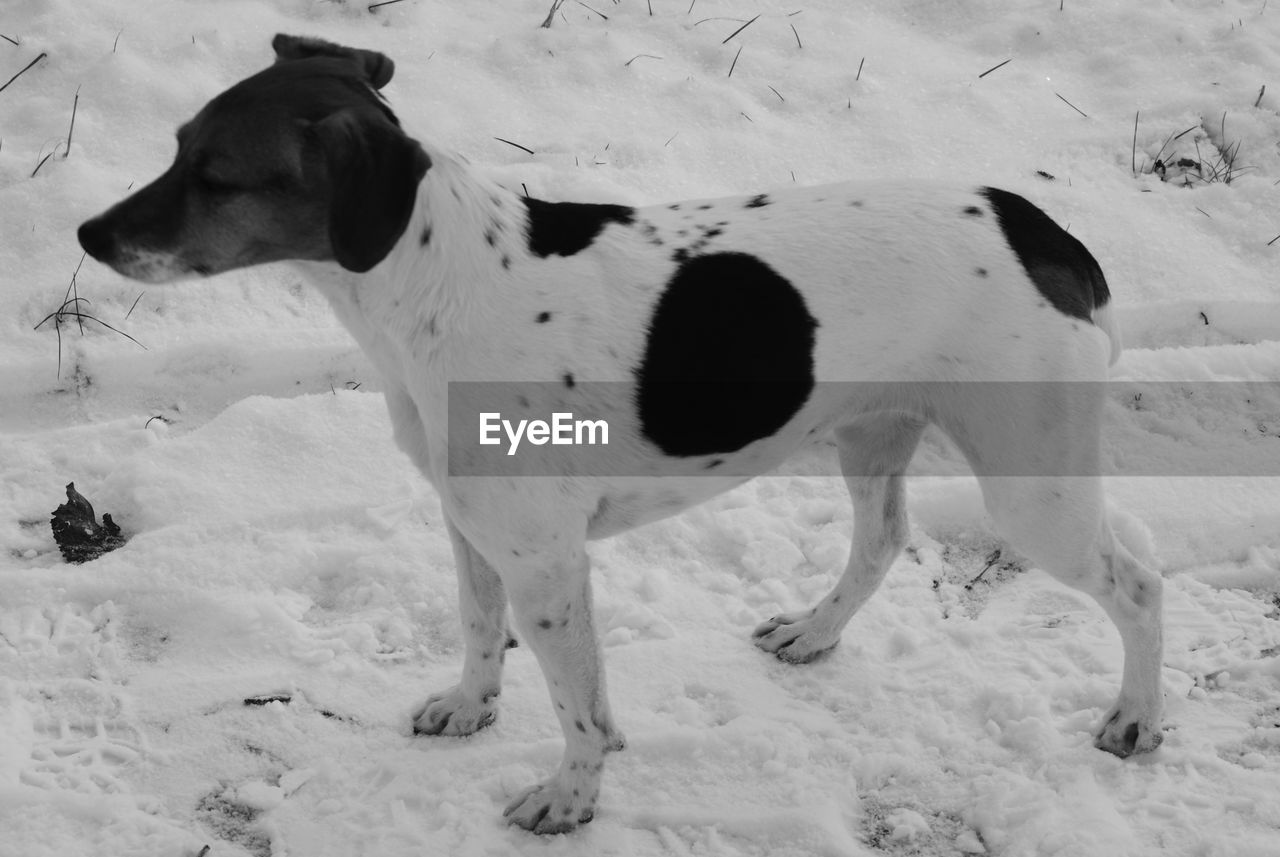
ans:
(551, 602)
(469, 705)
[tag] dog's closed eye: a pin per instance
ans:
(217, 184)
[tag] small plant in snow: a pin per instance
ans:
(72, 309)
(1204, 158)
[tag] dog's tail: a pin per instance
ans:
(1102, 316)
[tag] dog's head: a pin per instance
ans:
(303, 160)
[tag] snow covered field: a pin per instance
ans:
(283, 552)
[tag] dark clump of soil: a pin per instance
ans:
(79, 535)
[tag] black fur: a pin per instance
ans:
(1063, 271)
(567, 228)
(729, 357)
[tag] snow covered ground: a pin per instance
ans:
(283, 552)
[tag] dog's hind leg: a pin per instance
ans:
(1132, 596)
(1060, 525)
(469, 705)
(874, 453)
(1036, 450)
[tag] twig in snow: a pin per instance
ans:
(517, 145)
(24, 69)
(589, 9)
(134, 305)
(74, 290)
(734, 64)
(71, 130)
(1133, 154)
(74, 104)
(1260, 92)
(797, 34)
(373, 6)
(858, 76)
(639, 56)
(11, 41)
(1073, 107)
(740, 29)
(996, 66)
(41, 163)
(555, 7)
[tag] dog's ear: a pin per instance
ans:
(375, 67)
(374, 171)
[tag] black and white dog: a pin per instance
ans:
(736, 329)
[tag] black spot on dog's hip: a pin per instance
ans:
(729, 356)
(1062, 269)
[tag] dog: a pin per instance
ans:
(724, 334)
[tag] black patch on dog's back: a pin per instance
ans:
(729, 356)
(566, 228)
(1063, 271)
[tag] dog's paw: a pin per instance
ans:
(794, 637)
(1125, 733)
(551, 808)
(454, 713)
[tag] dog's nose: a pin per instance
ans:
(95, 238)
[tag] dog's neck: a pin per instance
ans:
(463, 235)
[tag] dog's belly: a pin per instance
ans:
(677, 484)
(632, 502)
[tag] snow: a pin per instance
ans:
(282, 549)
